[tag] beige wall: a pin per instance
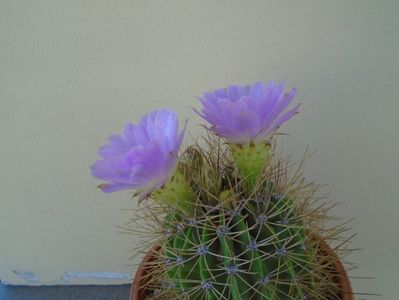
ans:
(73, 71)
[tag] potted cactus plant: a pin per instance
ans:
(230, 217)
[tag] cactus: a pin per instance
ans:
(232, 219)
(238, 243)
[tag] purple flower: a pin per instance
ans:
(242, 114)
(143, 157)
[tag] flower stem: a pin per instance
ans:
(177, 193)
(250, 160)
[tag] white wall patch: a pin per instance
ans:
(26, 275)
(96, 275)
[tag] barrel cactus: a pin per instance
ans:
(233, 218)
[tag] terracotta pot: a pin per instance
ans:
(341, 275)
(138, 293)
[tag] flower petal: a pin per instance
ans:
(243, 114)
(143, 157)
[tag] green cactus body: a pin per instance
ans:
(230, 235)
(239, 255)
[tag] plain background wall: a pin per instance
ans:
(71, 72)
